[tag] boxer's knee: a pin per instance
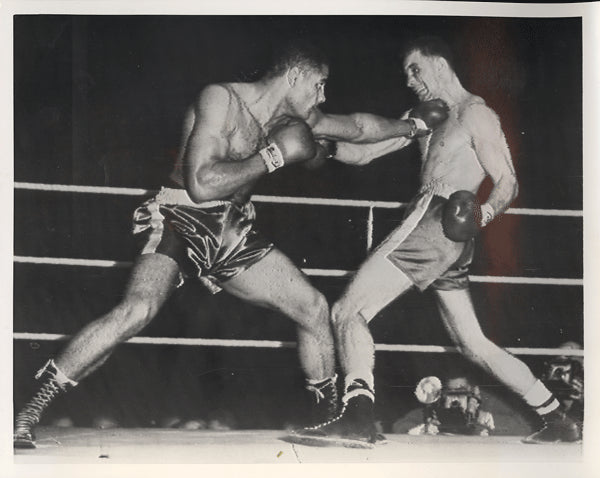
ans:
(312, 312)
(345, 314)
(132, 315)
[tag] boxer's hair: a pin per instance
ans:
(302, 53)
(431, 46)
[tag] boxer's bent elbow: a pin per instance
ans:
(508, 190)
(198, 193)
(515, 190)
(207, 186)
(511, 189)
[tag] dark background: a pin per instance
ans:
(99, 101)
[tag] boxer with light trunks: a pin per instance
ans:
(432, 248)
(200, 226)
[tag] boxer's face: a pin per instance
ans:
(421, 75)
(308, 90)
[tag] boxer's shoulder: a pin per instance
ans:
(471, 105)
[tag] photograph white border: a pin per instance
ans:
(590, 12)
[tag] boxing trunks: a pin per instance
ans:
(419, 248)
(211, 241)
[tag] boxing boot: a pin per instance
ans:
(53, 383)
(557, 427)
(353, 427)
(324, 406)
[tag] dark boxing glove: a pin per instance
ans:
(427, 116)
(461, 216)
(288, 143)
(325, 150)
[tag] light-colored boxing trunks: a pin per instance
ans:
(211, 241)
(419, 248)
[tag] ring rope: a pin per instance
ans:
(370, 230)
(282, 344)
(83, 189)
(278, 199)
(313, 272)
(307, 271)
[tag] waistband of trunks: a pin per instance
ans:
(179, 197)
(438, 188)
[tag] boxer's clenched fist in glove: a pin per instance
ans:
(288, 143)
(427, 116)
(325, 150)
(462, 216)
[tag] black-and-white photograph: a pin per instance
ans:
(262, 239)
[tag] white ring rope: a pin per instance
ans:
(370, 230)
(313, 272)
(274, 344)
(279, 199)
(278, 344)
(83, 189)
(310, 272)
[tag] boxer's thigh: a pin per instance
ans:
(275, 282)
(376, 283)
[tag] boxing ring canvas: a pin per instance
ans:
(98, 100)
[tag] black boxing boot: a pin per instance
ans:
(53, 383)
(557, 427)
(324, 406)
(353, 427)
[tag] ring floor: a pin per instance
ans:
(143, 445)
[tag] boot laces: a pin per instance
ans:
(317, 391)
(32, 411)
(328, 392)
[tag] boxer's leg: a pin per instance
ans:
(458, 316)
(153, 278)
(276, 283)
(377, 283)
(374, 286)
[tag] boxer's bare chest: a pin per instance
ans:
(245, 135)
(448, 154)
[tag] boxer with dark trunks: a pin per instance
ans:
(212, 241)
(201, 225)
(432, 248)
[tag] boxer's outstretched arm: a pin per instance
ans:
(493, 155)
(370, 128)
(358, 127)
(361, 154)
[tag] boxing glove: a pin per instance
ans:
(288, 142)
(325, 150)
(427, 116)
(461, 216)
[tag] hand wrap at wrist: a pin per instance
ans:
(272, 157)
(487, 214)
(416, 124)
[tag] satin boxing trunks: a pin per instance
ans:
(419, 248)
(212, 241)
